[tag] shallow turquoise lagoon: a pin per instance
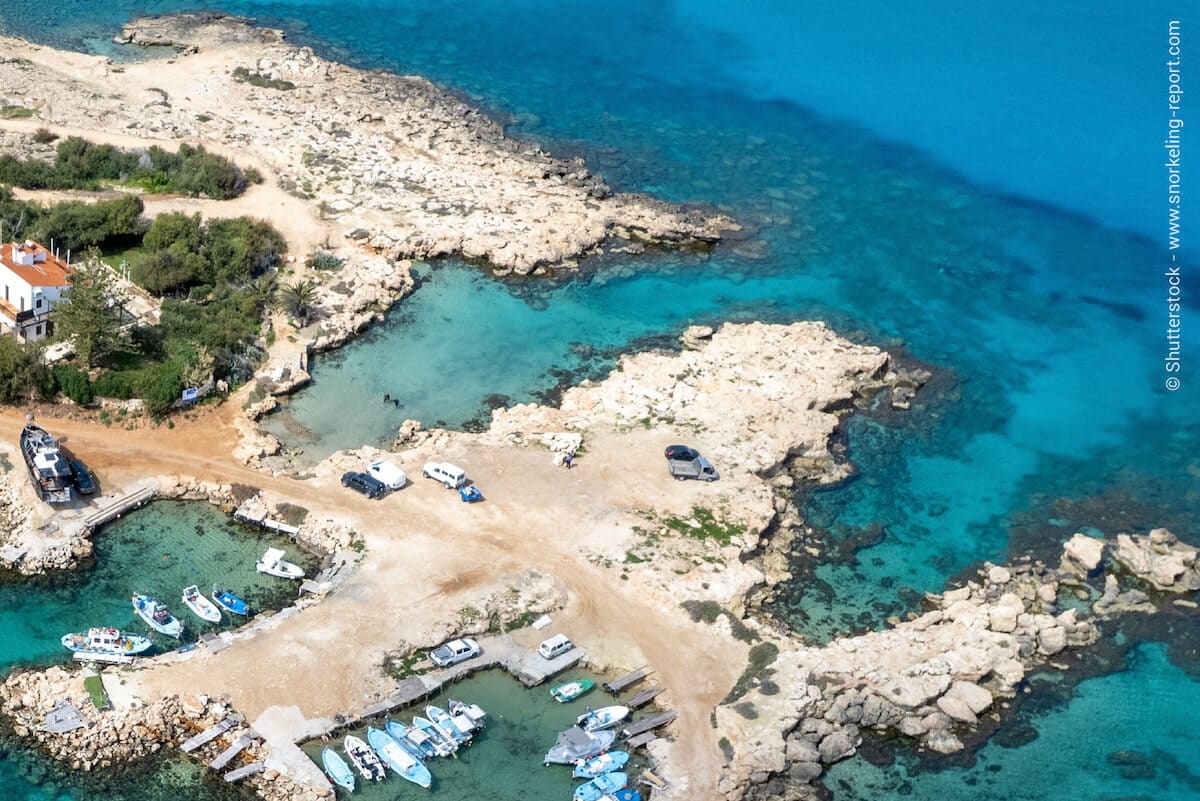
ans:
(1128, 735)
(504, 762)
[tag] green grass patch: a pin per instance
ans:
(16, 112)
(762, 656)
(632, 558)
(707, 526)
(400, 669)
(95, 689)
(524, 620)
(292, 514)
(709, 611)
(258, 79)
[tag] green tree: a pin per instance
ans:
(298, 299)
(90, 314)
(263, 292)
(22, 371)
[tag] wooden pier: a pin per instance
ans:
(226, 756)
(645, 738)
(108, 659)
(211, 733)
(631, 678)
(134, 500)
(644, 697)
(242, 772)
(647, 724)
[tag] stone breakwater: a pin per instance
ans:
(934, 678)
(392, 162)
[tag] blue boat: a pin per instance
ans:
(599, 765)
(399, 760)
(411, 740)
(627, 794)
(445, 746)
(229, 602)
(339, 772)
(600, 786)
(446, 724)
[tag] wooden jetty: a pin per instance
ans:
(242, 772)
(645, 738)
(644, 697)
(211, 733)
(64, 717)
(133, 500)
(646, 724)
(108, 659)
(224, 758)
(633, 677)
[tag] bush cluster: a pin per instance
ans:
(182, 252)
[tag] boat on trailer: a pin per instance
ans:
(336, 768)
(49, 468)
(156, 616)
(201, 607)
(365, 759)
(107, 641)
(229, 602)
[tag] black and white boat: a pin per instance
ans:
(48, 466)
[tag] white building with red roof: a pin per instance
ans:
(33, 279)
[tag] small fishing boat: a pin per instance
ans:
(446, 724)
(570, 690)
(575, 744)
(418, 743)
(599, 765)
(273, 564)
(626, 794)
(603, 718)
(156, 616)
(337, 769)
(471, 712)
(399, 760)
(366, 760)
(601, 786)
(445, 746)
(105, 641)
(201, 606)
(229, 602)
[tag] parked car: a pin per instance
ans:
(452, 476)
(372, 488)
(555, 647)
(684, 463)
(387, 474)
(455, 651)
(84, 482)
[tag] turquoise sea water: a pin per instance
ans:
(979, 186)
(158, 550)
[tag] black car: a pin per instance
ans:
(682, 453)
(83, 478)
(371, 487)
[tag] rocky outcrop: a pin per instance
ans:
(1160, 559)
(1083, 552)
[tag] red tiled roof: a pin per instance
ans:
(51, 272)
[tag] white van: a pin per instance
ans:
(555, 647)
(453, 477)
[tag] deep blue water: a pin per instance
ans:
(980, 186)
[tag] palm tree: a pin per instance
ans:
(298, 298)
(263, 291)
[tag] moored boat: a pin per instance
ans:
(472, 712)
(570, 690)
(575, 744)
(445, 746)
(49, 468)
(337, 769)
(601, 786)
(106, 641)
(446, 725)
(229, 602)
(603, 718)
(201, 607)
(273, 564)
(156, 616)
(416, 741)
(599, 765)
(399, 760)
(365, 759)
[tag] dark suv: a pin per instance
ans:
(371, 487)
(681, 453)
(83, 478)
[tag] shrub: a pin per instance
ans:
(324, 260)
(116, 384)
(258, 79)
(74, 383)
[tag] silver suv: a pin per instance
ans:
(455, 651)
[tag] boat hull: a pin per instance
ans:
(365, 759)
(601, 786)
(117, 644)
(230, 602)
(399, 760)
(145, 606)
(569, 691)
(603, 718)
(201, 607)
(337, 769)
(599, 765)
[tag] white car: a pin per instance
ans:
(387, 473)
(452, 476)
(455, 651)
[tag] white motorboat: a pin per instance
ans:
(200, 605)
(273, 564)
(156, 616)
